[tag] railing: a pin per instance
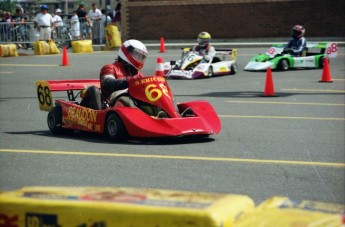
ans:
(25, 34)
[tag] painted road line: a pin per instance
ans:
(27, 65)
(284, 117)
(194, 158)
(312, 90)
(287, 103)
(6, 72)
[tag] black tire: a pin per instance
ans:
(321, 59)
(54, 120)
(210, 71)
(283, 65)
(233, 69)
(115, 129)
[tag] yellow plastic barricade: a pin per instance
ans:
(44, 48)
(112, 36)
(82, 46)
(120, 207)
(283, 212)
(8, 50)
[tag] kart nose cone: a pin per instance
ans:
(251, 66)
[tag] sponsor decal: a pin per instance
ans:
(149, 80)
(38, 220)
(81, 116)
(309, 205)
(8, 221)
(141, 199)
(44, 195)
(93, 224)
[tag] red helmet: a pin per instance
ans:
(134, 53)
(297, 31)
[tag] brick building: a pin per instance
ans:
(230, 19)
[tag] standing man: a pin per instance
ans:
(44, 23)
(83, 20)
(95, 16)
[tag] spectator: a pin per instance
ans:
(105, 20)
(44, 23)
(117, 16)
(94, 16)
(57, 23)
(19, 29)
(75, 26)
(84, 22)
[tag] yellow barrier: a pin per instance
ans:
(8, 50)
(112, 36)
(120, 207)
(82, 46)
(283, 212)
(44, 48)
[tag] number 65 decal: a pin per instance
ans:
(44, 95)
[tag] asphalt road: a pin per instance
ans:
(291, 145)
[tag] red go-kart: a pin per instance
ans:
(121, 122)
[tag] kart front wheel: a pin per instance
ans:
(210, 72)
(321, 61)
(233, 69)
(115, 129)
(54, 120)
(283, 65)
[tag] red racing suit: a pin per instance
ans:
(113, 77)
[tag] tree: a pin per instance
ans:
(8, 6)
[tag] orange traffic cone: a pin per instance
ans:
(269, 88)
(326, 72)
(159, 67)
(162, 47)
(64, 57)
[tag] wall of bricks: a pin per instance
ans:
(230, 19)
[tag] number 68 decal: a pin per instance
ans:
(153, 93)
(44, 95)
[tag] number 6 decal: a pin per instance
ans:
(44, 95)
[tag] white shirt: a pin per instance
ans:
(44, 19)
(94, 15)
(57, 21)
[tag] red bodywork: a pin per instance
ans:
(153, 90)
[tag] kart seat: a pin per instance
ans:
(92, 98)
(216, 59)
(304, 52)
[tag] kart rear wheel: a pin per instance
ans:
(210, 71)
(283, 65)
(54, 120)
(233, 69)
(115, 129)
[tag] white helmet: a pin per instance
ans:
(134, 53)
(58, 10)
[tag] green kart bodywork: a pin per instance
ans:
(312, 57)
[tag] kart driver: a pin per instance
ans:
(298, 43)
(204, 48)
(114, 79)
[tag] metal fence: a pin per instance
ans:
(24, 34)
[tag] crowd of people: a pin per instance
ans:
(83, 24)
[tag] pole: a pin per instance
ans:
(66, 6)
